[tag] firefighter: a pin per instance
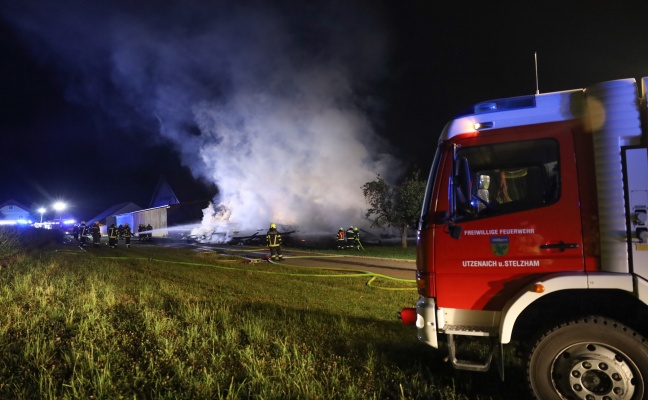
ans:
(356, 238)
(83, 232)
(341, 241)
(120, 232)
(140, 232)
(113, 236)
(95, 231)
(75, 232)
(350, 237)
(149, 232)
(127, 234)
(273, 240)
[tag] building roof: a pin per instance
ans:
(163, 194)
(12, 202)
(120, 208)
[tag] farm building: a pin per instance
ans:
(12, 212)
(167, 215)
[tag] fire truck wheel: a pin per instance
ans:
(591, 358)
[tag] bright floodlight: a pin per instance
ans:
(59, 206)
(42, 211)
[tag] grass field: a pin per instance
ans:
(167, 323)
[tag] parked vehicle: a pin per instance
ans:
(534, 231)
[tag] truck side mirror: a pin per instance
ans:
(454, 231)
(459, 195)
(463, 184)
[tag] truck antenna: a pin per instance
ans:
(536, 70)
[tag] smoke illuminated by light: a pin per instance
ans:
(298, 163)
(261, 101)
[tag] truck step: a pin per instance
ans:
(470, 364)
(475, 366)
(467, 330)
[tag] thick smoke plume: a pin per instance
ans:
(261, 100)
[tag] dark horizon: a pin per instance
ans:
(97, 101)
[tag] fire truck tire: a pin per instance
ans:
(590, 358)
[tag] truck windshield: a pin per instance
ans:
(511, 177)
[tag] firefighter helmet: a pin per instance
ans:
(355, 228)
(341, 228)
(273, 226)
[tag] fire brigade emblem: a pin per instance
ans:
(499, 245)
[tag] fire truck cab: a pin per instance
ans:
(534, 230)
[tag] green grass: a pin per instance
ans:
(169, 323)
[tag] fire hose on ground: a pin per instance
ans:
(353, 273)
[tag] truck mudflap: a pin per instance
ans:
(424, 317)
(426, 323)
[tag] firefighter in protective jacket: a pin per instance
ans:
(149, 233)
(356, 238)
(83, 233)
(95, 231)
(113, 236)
(273, 240)
(341, 242)
(350, 238)
(127, 234)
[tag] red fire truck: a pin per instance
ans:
(534, 232)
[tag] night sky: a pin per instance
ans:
(98, 99)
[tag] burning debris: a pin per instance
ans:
(216, 227)
(213, 227)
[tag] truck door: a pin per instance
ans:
(520, 220)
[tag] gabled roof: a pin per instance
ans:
(120, 208)
(163, 194)
(12, 202)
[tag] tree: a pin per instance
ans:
(398, 207)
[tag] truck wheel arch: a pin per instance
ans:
(552, 284)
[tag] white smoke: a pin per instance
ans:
(300, 160)
(280, 127)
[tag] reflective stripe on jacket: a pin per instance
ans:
(273, 238)
(350, 234)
